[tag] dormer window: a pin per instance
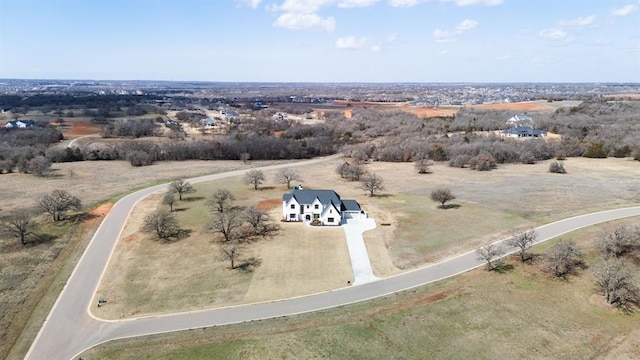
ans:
(293, 206)
(315, 206)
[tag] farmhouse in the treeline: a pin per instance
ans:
(522, 127)
(319, 207)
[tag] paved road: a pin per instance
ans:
(69, 329)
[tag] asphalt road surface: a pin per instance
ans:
(70, 329)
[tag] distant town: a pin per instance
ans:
(260, 94)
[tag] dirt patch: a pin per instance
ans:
(266, 205)
(518, 106)
(73, 129)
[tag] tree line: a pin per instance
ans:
(612, 272)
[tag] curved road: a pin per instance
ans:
(69, 329)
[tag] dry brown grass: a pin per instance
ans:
(146, 277)
(411, 230)
(520, 314)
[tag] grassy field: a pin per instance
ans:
(35, 272)
(190, 274)
(521, 314)
(527, 192)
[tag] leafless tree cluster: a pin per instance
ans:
(235, 227)
(423, 166)
(134, 128)
(58, 202)
(616, 280)
(613, 273)
(39, 166)
(564, 258)
(352, 172)
(557, 167)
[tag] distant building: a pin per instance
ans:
(20, 124)
(522, 127)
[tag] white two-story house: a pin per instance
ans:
(323, 207)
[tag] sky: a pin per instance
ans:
(416, 41)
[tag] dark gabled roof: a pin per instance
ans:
(308, 196)
(350, 205)
(524, 130)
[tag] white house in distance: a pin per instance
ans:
(522, 127)
(20, 124)
(322, 206)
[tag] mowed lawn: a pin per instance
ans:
(146, 277)
(521, 314)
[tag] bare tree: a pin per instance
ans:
(423, 166)
(163, 223)
(169, 199)
(616, 281)
(244, 157)
(343, 170)
(254, 177)
(19, 224)
(39, 166)
(260, 222)
(286, 176)
(231, 252)
(523, 241)
(563, 257)
(221, 200)
(58, 203)
(227, 224)
(615, 243)
(355, 171)
(181, 187)
(557, 167)
(372, 183)
(442, 195)
(489, 254)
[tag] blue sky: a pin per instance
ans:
(322, 40)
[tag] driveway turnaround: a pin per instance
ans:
(353, 229)
(69, 328)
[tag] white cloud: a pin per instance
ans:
(298, 21)
(443, 52)
(624, 11)
(404, 3)
(356, 3)
(581, 21)
(554, 34)
(466, 24)
(352, 43)
(475, 2)
(392, 38)
(301, 6)
(504, 57)
(441, 36)
(376, 48)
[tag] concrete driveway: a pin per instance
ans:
(353, 229)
